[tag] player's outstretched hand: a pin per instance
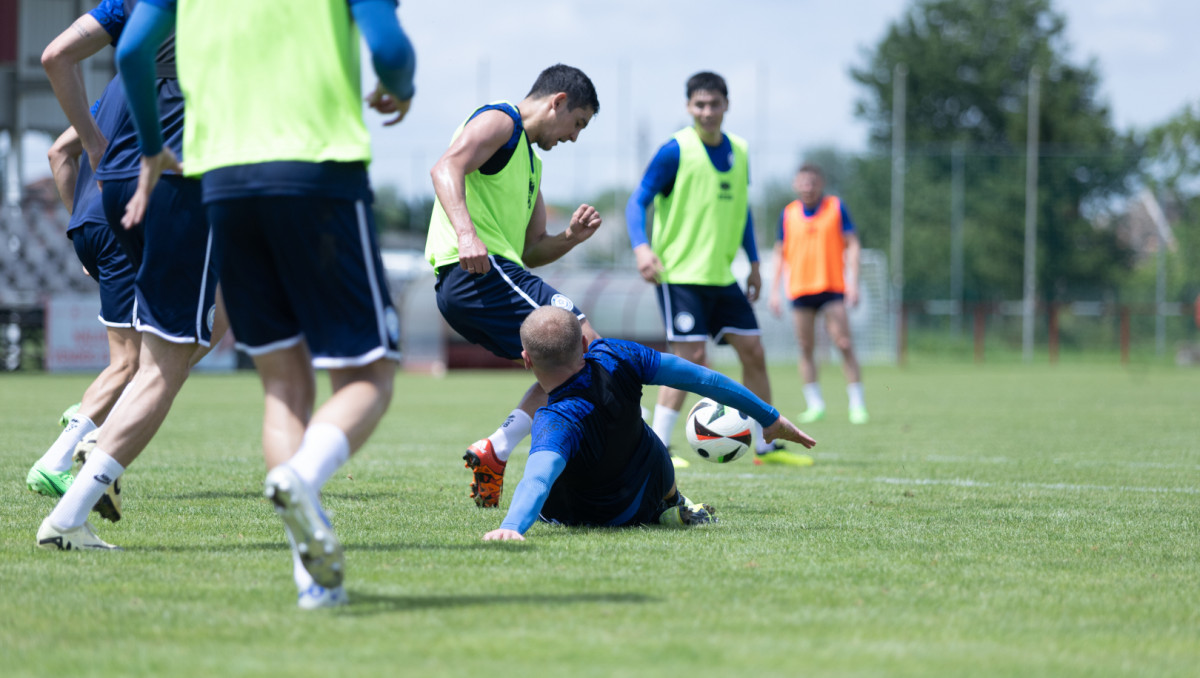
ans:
(851, 295)
(782, 428)
(383, 101)
(151, 169)
(503, 535)
(473, 255)
(775, 305)
(648, 264)
(584, 223)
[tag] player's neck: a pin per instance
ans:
(552, 379)
(710, 138)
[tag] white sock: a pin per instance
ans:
(58, 457)
(510, 434)
(322, 452)
(664, 423)
(97, 474)
(855, 391)
(812, 396)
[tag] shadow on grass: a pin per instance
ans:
(362, 604)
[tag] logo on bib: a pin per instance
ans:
(685, 322)
(561, 301)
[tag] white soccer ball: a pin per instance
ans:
(718, 433)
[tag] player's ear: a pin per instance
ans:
(558, 102)
(525, 359)
(584, 341)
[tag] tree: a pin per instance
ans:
(968, 64)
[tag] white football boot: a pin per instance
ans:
(83, 537)
(318, 546)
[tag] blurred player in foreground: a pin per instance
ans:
(489, 225)
(275, 128)
(819, 250)
(593, 461)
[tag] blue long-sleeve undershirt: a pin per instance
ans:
(392, 53)
(660, 178)
(687, 376)
(147, 27)
(542, 469)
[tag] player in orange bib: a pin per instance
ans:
(818, 248)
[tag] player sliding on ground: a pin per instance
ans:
(593, 460)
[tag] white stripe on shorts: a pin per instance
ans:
(372, 280)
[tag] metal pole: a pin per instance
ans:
(899, 78)
(1031, 177)
(956, 237)
(1161, 231)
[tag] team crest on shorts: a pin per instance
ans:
(685, 322)
(392, 319)
(211, 317)
(561, 301)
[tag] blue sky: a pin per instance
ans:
(786, 62)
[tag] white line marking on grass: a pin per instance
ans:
(1035, 486)
(963, 482)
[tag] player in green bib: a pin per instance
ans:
(699, 184)
(489, 225)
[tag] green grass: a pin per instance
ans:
(1001, 521)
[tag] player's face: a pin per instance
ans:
(567, 125)
(707, 109)
(809, 187)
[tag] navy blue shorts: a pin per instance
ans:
(176, 279)
(105, 261)
(488, 309)
(695, 312)
(814, 302)
(305, 268)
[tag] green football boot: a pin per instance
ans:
(48, 483)
(65, 417)
(858, 415)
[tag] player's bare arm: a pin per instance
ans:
(64, 165)
(786, 430)
(542, 248)
(480, 139)
(853, 248)
(61, 60)
(773, 299)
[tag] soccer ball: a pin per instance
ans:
(718, 433)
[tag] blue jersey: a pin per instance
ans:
(594, 420)
(123, 157)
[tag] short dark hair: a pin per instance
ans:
(810, 168)
(706, 80)
(552, 337)
(580, 91)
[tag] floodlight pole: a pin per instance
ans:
(1031, 178)
(899, 90)
(956, 237)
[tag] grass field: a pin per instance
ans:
(1000, 521)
